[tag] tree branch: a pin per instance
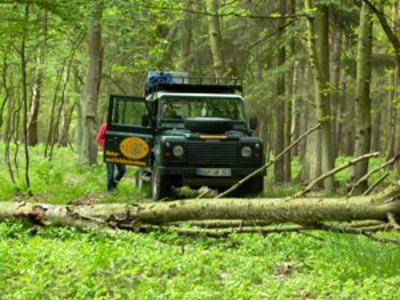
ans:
(268, 164)
(334, 171)
(376, 183)
(369, 174)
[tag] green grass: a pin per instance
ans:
(64, 263)
(60, 180)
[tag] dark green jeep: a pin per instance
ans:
(189, 131)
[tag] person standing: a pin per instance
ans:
(112, 181)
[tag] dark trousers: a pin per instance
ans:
(111, 180)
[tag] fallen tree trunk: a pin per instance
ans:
(303, 211)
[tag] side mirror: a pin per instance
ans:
(253, 123)
(145, 120)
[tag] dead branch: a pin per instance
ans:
(376, 183)
(330, 173)
(268, 164)
(393, 222)
(360, 232)
(370, 173)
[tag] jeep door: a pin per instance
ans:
(129, 136)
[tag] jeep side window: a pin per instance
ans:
(128, 113)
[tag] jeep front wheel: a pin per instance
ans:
(160, 185)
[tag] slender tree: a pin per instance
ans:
(215, 37)
(279, 167)
(322, 105)
(363, 101)
(89, 149)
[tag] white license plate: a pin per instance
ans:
(214, 172)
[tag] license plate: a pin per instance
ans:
(213, 172)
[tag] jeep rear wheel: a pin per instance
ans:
(160, 185)
(139, 180)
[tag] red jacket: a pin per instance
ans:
(101, 138)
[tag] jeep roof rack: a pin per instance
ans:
(184, 84)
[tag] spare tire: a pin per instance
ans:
(208, 125)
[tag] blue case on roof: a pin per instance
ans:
(162, 77)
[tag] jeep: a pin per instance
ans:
(186, 131)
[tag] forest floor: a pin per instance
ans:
(64, 263)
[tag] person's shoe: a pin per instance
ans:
(115, 184)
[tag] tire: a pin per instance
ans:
(250, 188)
(160, 185)
(139, 180)
(208, 125)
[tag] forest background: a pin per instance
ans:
(60, 61)
(303, 62)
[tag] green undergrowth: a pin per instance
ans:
(63, 263)
(61, 180)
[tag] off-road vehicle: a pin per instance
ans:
(186, 131)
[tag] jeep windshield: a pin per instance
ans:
(177, 109)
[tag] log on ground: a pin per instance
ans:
(270, 211)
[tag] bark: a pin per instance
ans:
(348, 147)
(89, 148)
(78, 90)
(304, 211)
(376, 130)
(289, 121)
(280, 121)
(304, 104)
(322, 94)
(215, 37)
(340, 113)
(6, 96)
(363, 101)
(186, 39)
(33, 138)
(391, 109)
(25, 102)
(335, 96)
(35, 103)
(391, 118)
(322, 104)
(64, 136)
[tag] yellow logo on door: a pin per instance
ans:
(134, 148)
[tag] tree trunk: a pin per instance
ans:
(89, 148)
(348, 147)
(320, 80)
(215, 37)
(391, 118)
(335, 96)
(324, 106)
(279, 167)
(391, 110)
(35, 103)
(304, 211)
(33, 138)
(64, 136)
(363, 101)
(304, 104)
(288, 104)
(340, 113)
(186, 39)
(376, 130)
(25, 100)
